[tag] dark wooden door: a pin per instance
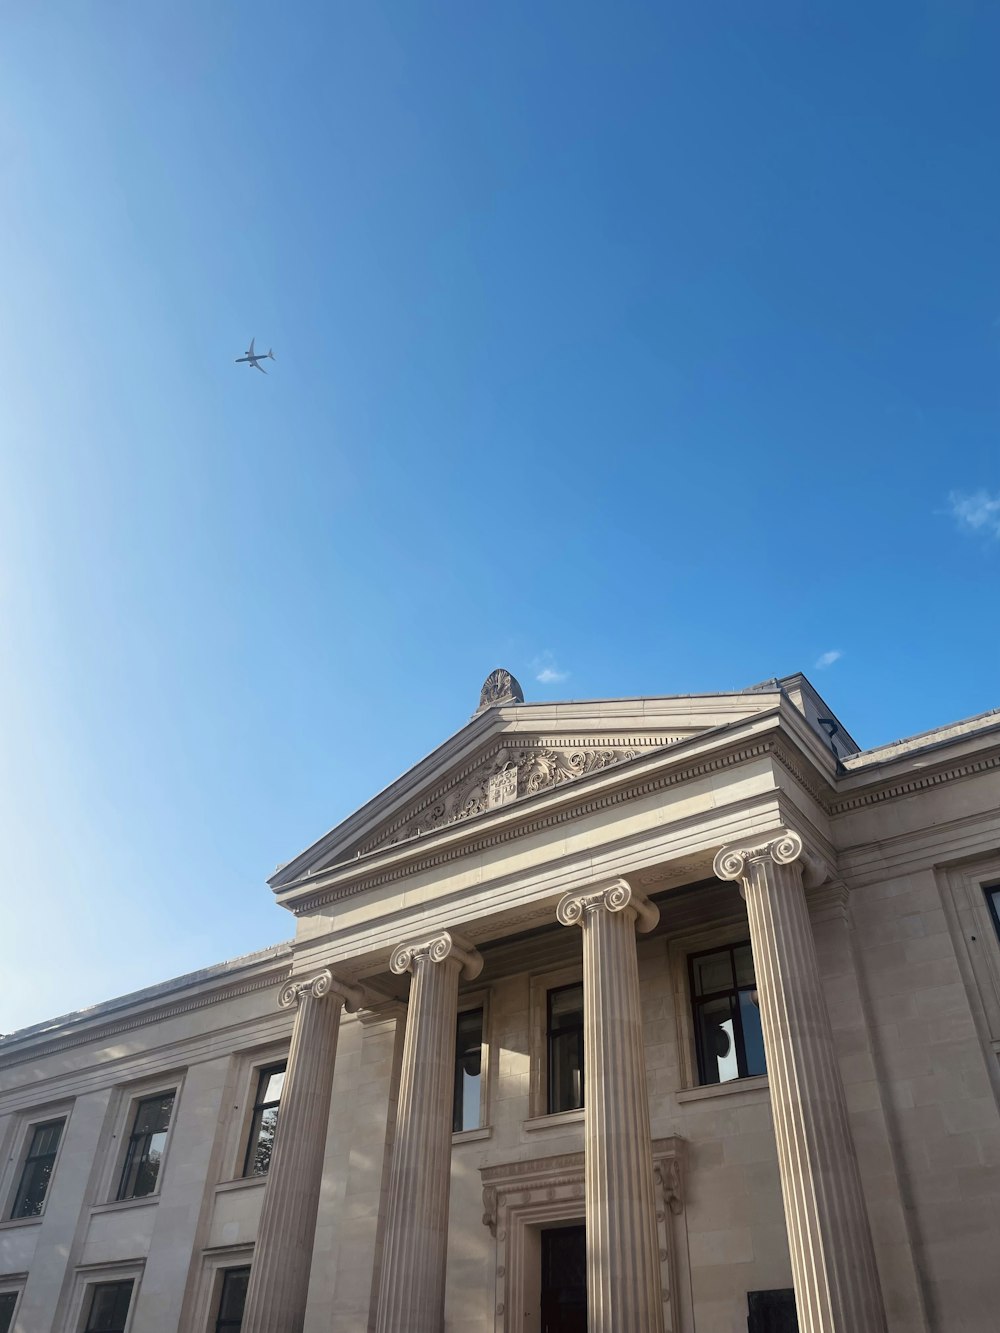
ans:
(772, 1311)
(564, 1280)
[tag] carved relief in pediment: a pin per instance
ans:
(506, 775)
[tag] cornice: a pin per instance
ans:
(532, 815)
(907, 786)
(52, 1040)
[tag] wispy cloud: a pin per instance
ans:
(976, 511)
(546, 671)
(828, 659)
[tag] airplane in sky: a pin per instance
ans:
(255, 358)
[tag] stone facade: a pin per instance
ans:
(628, 846)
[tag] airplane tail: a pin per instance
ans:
(270, 354)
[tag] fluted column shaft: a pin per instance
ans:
(833, 1260)
(624, 1291)
(412, 1283)
(282, 1258)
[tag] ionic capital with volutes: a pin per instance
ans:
(784, 848)
(323, 983)
(437, 948)
(618, 896)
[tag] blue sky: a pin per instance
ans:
(642, 349)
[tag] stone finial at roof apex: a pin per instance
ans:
(499, 687)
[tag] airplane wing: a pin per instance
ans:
(258, 366)
(250, 352)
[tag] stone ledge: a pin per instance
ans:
(471, 1135)
(756, 1083)
(554, 1121)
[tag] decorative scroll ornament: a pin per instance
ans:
(668, 1173)
(616, 897)
(437, 949)
(316, 987)
(734, 862)
(499, 687)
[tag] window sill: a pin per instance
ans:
(471, 1135)
(756, 1083)
(555, 1120)
(120, 1205)
(240, 1183)
(22, 1222)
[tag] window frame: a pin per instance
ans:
(264, 1073)
(135, 1108)
(735, 990)
(96, 1275)
(468, 1001)
(208, 1293)
(551, 1034)
(121, 1120)
(971, 922)
(730, 930)
(90, 1296)
(30, 1123)
(224, 1273)
(15, 1288)
(989, 888)
(539, 986)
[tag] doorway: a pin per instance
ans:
(564, 1280)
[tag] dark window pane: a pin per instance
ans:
(566, 1080)
(468, 1070)
(717, 1040)
(743, 963)
(8, 1299)
(565, 1072)
(713, 972)
(153, 1115)
(233, 1298)
(753, 1037)
(993, 901)
(37, 1171)
(771, 1311)
(264, 1144)
(726, 1016)
(566, 1007)
(264, 1123)
(109, 1307)
(145, 1147)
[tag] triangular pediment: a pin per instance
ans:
(512, 751)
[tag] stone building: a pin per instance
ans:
(635, 1016)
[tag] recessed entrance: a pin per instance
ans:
(564, 1280)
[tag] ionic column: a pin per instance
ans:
(833, 1261)
(624, 1293)
(282, 1257)
(412, 1283)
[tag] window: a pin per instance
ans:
(108, 1311)
(726, 1017)
(467, 1102)
(144, 1153)
(565, 1048)
(260, 1143)
(29, 1199)
(8, 1300)
(992, 892)
(232, 1298)
(772, 1311)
